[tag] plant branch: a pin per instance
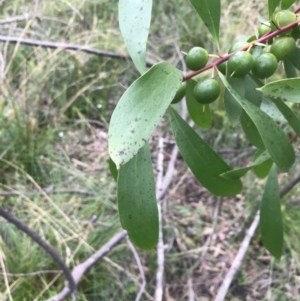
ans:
(65, 46)
(245, 244)
(83, 267)
(225, 57)
(43, 244)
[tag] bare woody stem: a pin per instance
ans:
(225, 57)
(42, 243)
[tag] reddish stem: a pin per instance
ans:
(225, 57)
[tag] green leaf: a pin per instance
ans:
(284, 90)
(272, 136)
(289, 115)
(263, 169)
(294, 58)
(134, 21)
(285, 4)
(113, 169)
(272, 4)
(238, 173)
(137, 201)
(199, 113)
(251, 131)
(232, 107)
(250, 91)
(140, 109)
(203, 161)
(270, 216)
(289, 69)
(210, 13)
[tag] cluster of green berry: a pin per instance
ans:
(262, 64)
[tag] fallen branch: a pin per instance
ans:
(139, 264)
(245, 244)
(65, 46)
(42, 243)
(83, 267)
(158, 295)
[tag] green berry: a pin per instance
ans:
(196, 58)
(264, 65)
(283, 47)
(282, 18)
(239, 64)
(263, 29)
(207, 91)
(179, 94)
(237, 46)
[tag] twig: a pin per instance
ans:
(139, 264)
(237, 260)
(59, 191)
(245, 244)
(160, 246)
(82, 268)
(65, 46)
(30, 274)
(42, 243)
(191, 290)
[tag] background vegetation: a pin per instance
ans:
(55, 107)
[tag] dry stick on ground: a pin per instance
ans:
(83, 267)
(245, 244)
(66, 46)
(141, 270)
(48, 248)
(160, 246)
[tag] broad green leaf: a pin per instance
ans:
(137, 201)
(250, 91)
(204, 162)
(265, 104)
(289, 115)
(294, 58)
(285, 4)
(270, 216)
(232, 107)
(272, 136)
(238, 173)
(289, 69)
(263, 169)
(113, 169)
(199, 113)
(251, 131)
(272, 4)
(210, 13)
(284, 90)
(134, 21)
(140, 109)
